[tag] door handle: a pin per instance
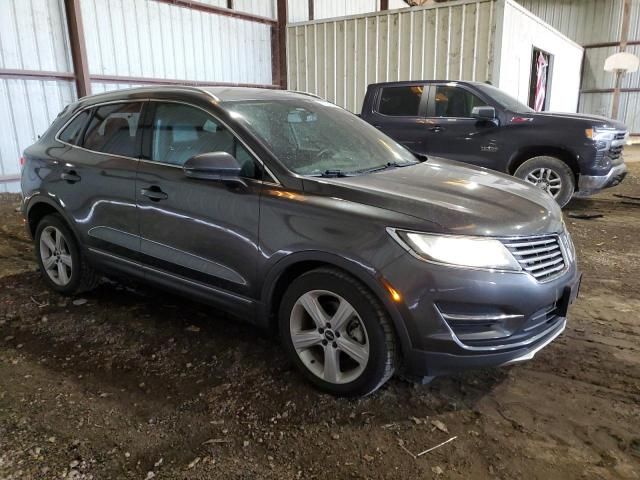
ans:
(154, 193)
(436, 129)
(71, 176)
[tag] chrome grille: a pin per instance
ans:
(542, 257)
(620, 135)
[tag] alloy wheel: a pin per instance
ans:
(329, 336)
(545, 179)
(55, 256)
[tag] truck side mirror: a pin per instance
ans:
(484, 113)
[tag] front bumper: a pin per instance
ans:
(526, 315)
(590, 184)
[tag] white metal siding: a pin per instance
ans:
(28, 107)
(337, 59)
(585, 21)
(143, 38)
(521, 32)
(33, 35)
(340, 8)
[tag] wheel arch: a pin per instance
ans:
(526, 153)
(291, 267)
(41, 206)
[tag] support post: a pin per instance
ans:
(384, 5)
(78, 47)
(311, 10)
(279, 46)
(624, 38)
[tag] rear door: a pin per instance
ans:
(200, 233)
(98, 175)
(452, 132)
(399, 112)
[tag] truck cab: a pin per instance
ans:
(565, 154)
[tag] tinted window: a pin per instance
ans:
(455, 102)
(113, 129)
(181, 132)
(72, 132)
(401, 101)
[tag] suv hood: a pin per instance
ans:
(461, 199)
(588, 120)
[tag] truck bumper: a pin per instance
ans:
(590, 184)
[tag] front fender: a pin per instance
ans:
(365, 273)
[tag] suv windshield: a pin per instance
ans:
(504, 99)
(314, 137)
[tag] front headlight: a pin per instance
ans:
(597, 133)
(462, 251)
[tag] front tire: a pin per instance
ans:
(551, 175)
(337, 333)
(62, 265)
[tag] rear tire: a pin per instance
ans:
(62, 265)
(551, 175)
(347, 347)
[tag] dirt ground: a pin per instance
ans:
(129, 382)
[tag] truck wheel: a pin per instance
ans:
(337, 333)
(63, 267)
(551, 175)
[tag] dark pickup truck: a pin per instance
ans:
(565, 154)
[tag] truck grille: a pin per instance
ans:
(542, 257)
(615, 152)
(620, 135)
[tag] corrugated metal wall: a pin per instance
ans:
(33, 36)
(150, 39)
(337, 59)
(591, 22)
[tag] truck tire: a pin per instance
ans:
(337, 333)
(551, 175)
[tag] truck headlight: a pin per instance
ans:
(597, 133)
(462, 251)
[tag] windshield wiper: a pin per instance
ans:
(385, 167)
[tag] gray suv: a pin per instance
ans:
(299, 217)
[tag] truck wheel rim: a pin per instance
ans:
(55, 256)
(546, 179)
(329, 336)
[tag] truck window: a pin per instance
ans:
(455, 102)
(401, 101)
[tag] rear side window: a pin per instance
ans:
(401, 101)
(114, 129)
(72, 133)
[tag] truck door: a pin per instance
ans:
(398, 110)
(452, 132)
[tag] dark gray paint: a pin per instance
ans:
(229, 244)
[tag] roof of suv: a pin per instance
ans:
(222, 93)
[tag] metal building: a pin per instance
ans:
(481, 40)
(602, 28)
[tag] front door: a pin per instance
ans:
(202, 233)
(399, 112)
(451, 132)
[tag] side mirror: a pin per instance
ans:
(218, 166)
(484, 113)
